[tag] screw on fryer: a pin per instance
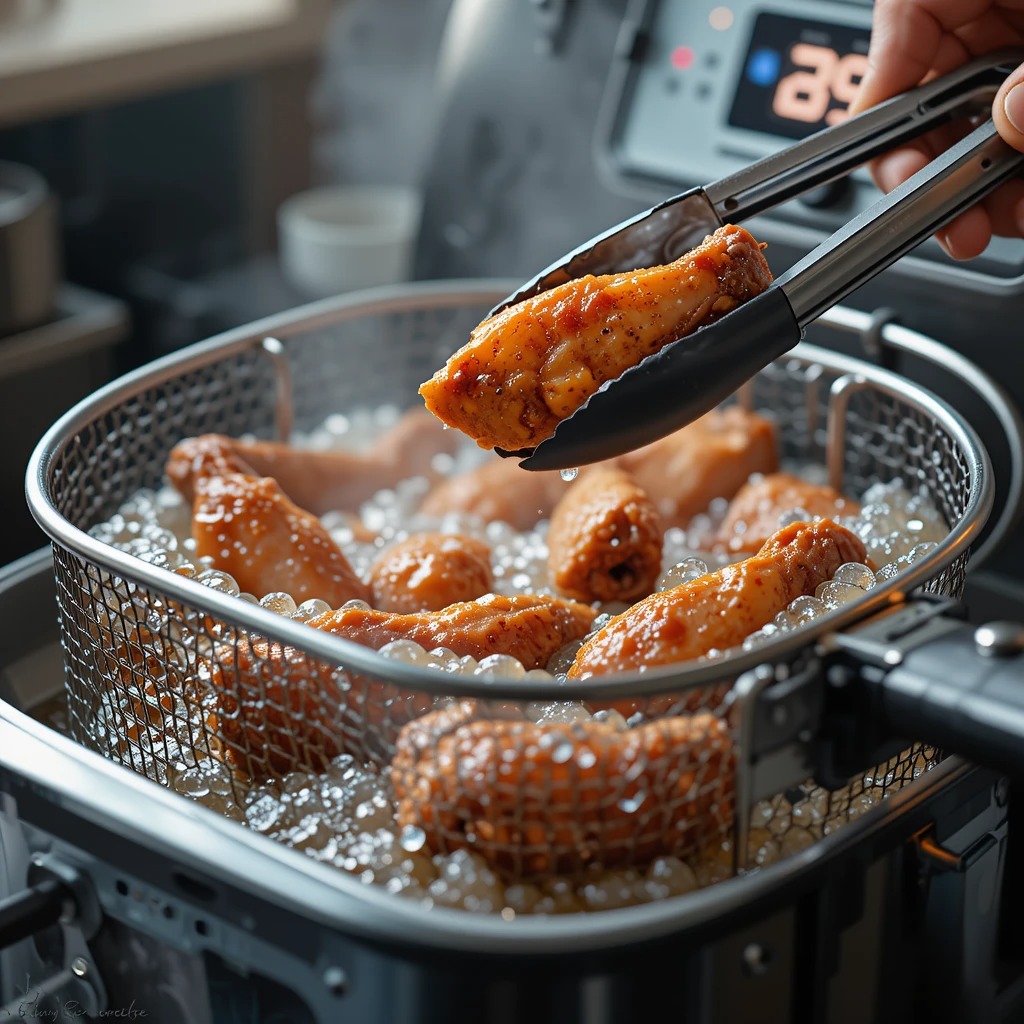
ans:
(1001, 792)
(336, 981)
(756, 958)
(999, 639)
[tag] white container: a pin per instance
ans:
(344, 237)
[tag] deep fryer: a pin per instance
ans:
(842, 413)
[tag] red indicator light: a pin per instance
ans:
(682, 58)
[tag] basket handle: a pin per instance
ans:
(922, 671)
(880, 330)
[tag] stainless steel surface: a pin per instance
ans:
(903, 219)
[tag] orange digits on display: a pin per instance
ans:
(822, 77)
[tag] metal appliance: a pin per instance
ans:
(115, 875)
(185, 912)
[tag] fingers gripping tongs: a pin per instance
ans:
(689, 377)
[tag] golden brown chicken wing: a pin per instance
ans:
(529, 627)
(538, 361)
(267, 543)
(754, 513)
(539, 798)
(497, 490)
(605, 539)
(320, 481)
(710, 458)
(208, 455)
(722, 608)
(281, 711)
(429, 571)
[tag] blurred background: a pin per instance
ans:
(166, 138)
(171, 170)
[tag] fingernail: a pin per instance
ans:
(1013, 106)
(943, 240)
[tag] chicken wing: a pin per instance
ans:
(529, 627)
(539, 798)
(320, 481)
(710, 458)
(497, 490)
(429, 571)
(250, 529)
(605, 539)
(754, 513)
(536, 362)
(720, 609)
(279, 710)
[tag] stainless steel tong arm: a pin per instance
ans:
(687, 378)
(899, 221)
(835, 151)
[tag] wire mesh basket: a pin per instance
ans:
(164, 673)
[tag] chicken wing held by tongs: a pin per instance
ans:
(687, 378)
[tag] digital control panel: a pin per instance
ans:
(798, 76)
(702, 88)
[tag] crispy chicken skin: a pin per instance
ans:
(267, 543)
(507, 789)
(197, 458)
(721, 608)
(320, 481)
(754, 513)
(429, 571)
(281, 711)
(605, 539)
(710, 458)
(497, 489)
(538, 361)
(530, 627)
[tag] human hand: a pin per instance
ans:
(915, 40)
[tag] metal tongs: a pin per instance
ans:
(690, 376)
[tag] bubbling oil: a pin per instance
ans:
(345, 816)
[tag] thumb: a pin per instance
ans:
(1008, 109)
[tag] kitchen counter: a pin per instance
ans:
(62, 56)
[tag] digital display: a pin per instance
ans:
(798, 76)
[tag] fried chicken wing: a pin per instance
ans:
(539, 798)
(755, 512)
(536, 362)
(267, 543)
(320, 481)
(281, 711)
(429, 571)
(605, 539)
(497, 490)
(197, 458)
(710, 458)
(722, 608)
(529, 627)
